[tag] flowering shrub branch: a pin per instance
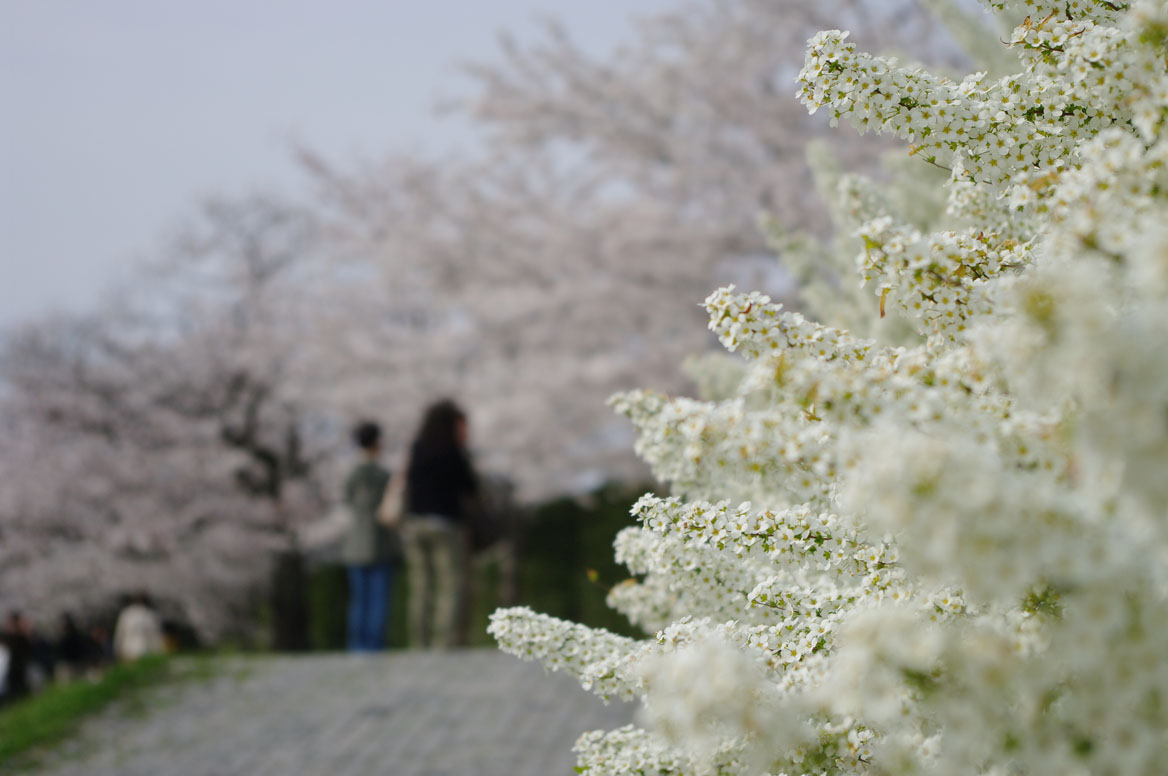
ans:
(944, 551)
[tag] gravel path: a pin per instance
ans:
(469, 713)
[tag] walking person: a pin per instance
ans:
(72, 651)
(369, 547)
(16, 639)
(440, 492)
(138, 630)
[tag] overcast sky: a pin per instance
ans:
(117, 115)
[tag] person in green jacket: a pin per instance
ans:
(369, 548)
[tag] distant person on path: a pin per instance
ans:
(369, 548)
(100, 650)
(72, 650)
(138, 631)
(440, 492)
(42, 659)
(16, 639)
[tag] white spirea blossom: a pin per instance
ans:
(939, 548)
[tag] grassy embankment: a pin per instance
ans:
(55, 713)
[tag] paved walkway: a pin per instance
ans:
(474, 713)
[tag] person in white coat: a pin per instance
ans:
(138, 631)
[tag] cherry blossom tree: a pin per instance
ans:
(512, 283)
(193, 423)
(168, 443)
(689, 112)
(563, 265)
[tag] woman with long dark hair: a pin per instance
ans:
(440, 492)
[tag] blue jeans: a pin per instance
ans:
(368, 606)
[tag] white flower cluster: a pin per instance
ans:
(943, 552)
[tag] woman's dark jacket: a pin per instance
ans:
(440, 483)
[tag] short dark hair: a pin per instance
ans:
(367, 435)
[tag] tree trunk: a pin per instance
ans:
(289, 604)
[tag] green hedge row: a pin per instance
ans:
(565, 569)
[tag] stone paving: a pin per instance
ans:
(468, 713)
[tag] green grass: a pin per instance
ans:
(55, 713)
